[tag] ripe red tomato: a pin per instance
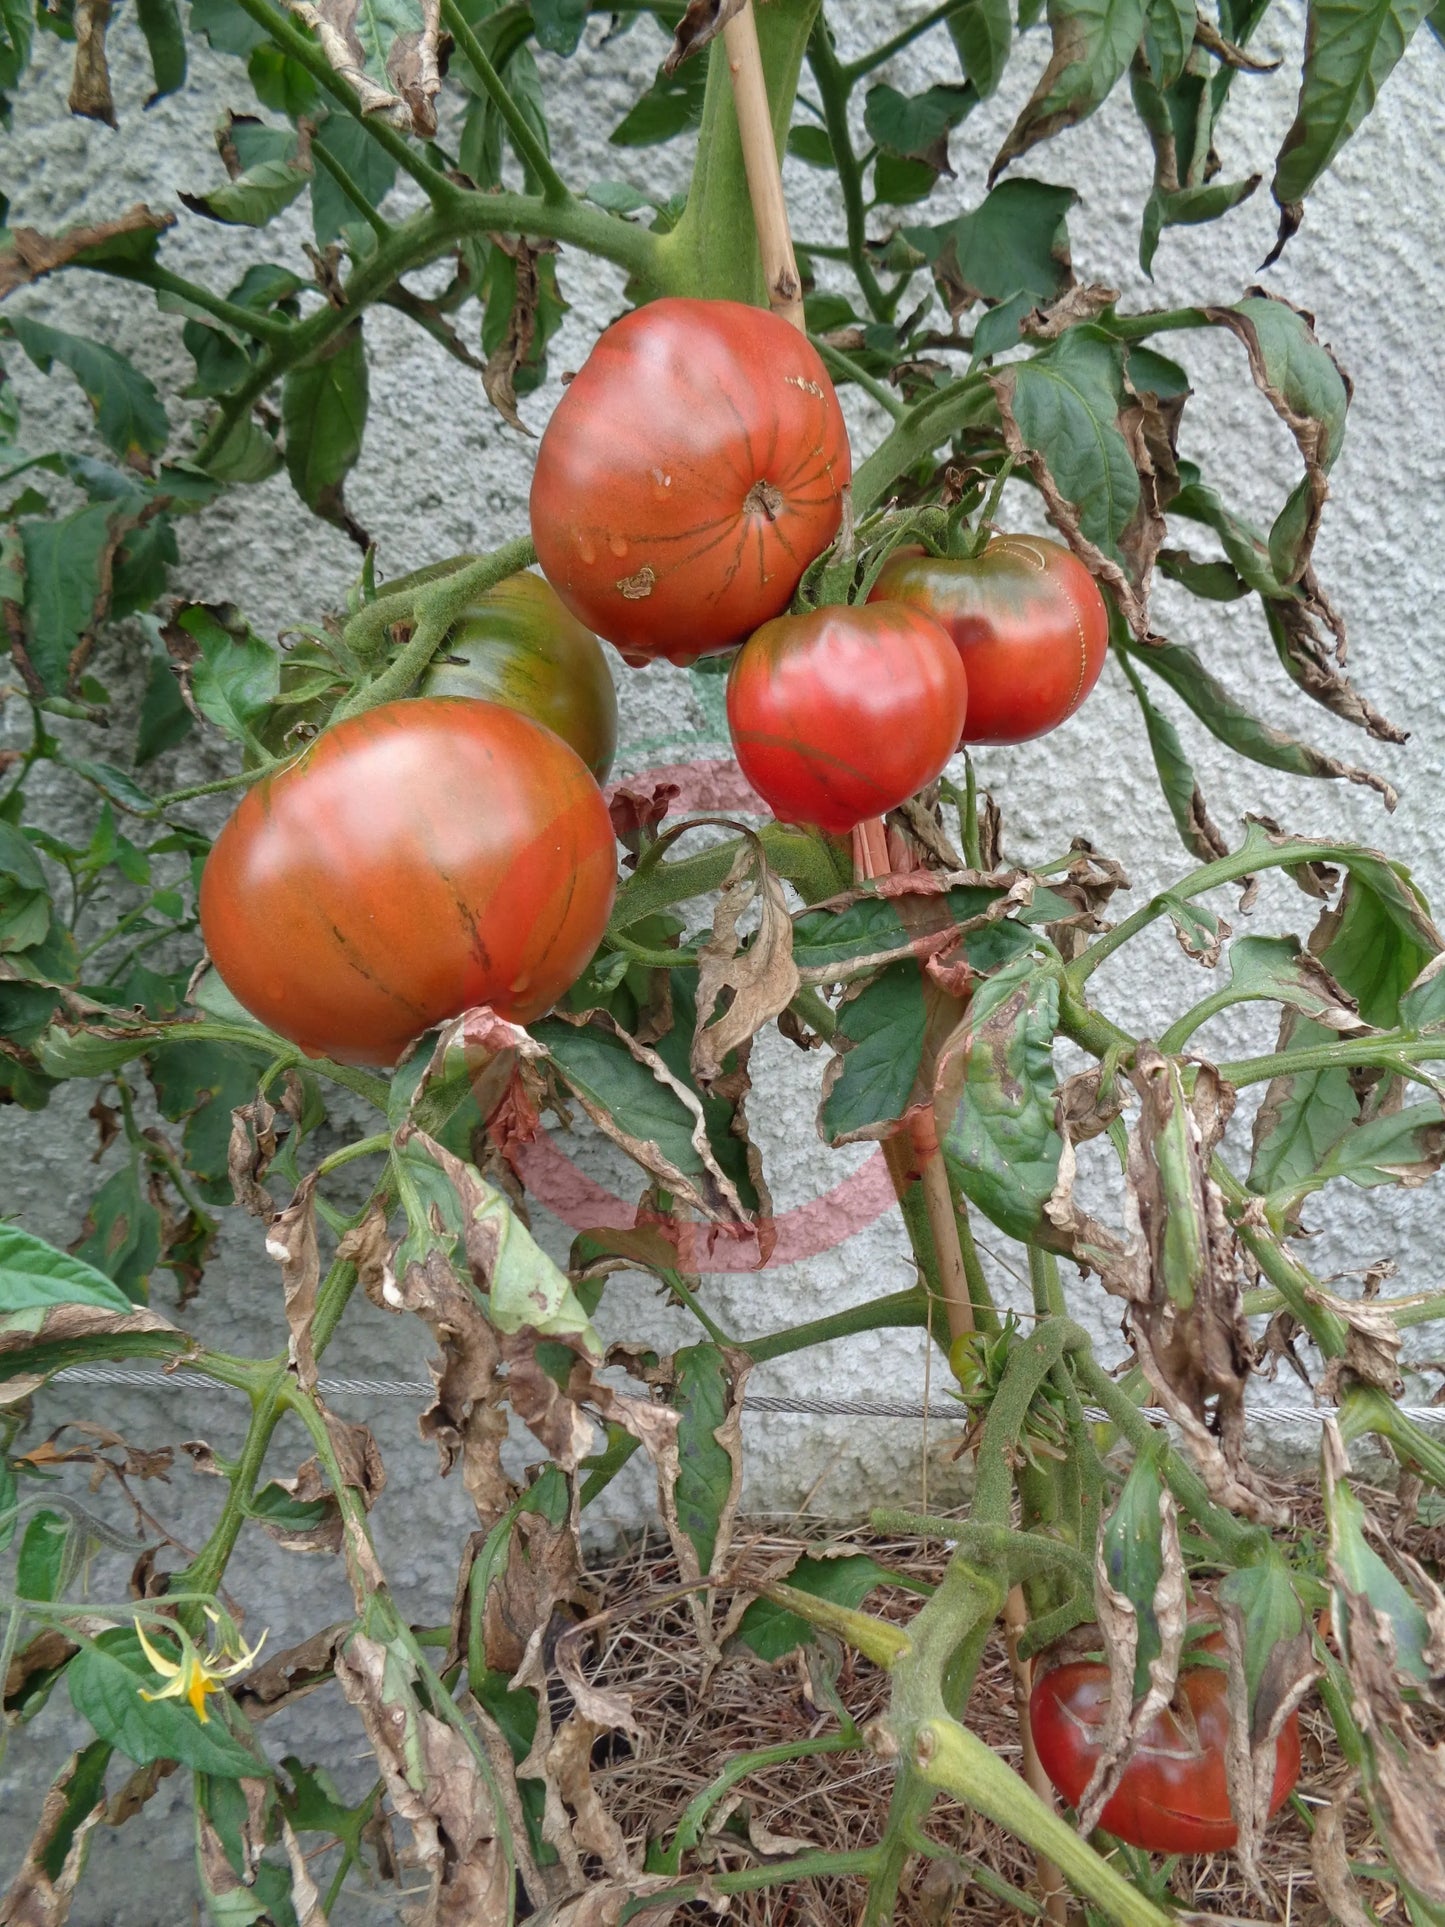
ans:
(518, 645)
(844, 713)
(1028, 620)
(1174, 1796)
(690, 473)
(415, 860)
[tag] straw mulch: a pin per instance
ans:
(694, 1720)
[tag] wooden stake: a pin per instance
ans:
(760, 158)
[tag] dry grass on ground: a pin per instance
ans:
(694, 1722)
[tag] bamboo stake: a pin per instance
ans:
(760, 158)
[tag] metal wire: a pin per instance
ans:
(799, 1405)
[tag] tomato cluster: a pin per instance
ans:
(455, 849)
(1174, 1793)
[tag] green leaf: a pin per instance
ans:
(1265, 1594)
(164, 719)
(1402, 1147)
(1066, 402)
(899, 183)
(82, 1786)
(1176, 775)
(128, 411)
(1188, 207)
(1225, 717)
(34, 1276)
(701, 1393)
(772, 1632)
(40, 1571)
(1301, 1118)
(283, 84)
(1131, 1552)
(323, 411)
(982, 32)
(17, 30)
(202, 1084)
(1364, 1572)
(671, 104)
(1014, 242)
(227, 26)
(236, 676)
(64, 585)
(256, 196)
(996, 1098)
(1168, 38)
(1351, 47)
(810, 144)
(113, 783)
(122, 1233)
(160, 22)
(916, 127)
(559, 24)
(884, 1027)
(362, 161)
(248, 454)
(599, 1067)
(1094, 41)
(67, 1053)
(1280, 970)
(105, 1680)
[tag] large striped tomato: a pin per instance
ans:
(842, 714)
(516, 644)
(1028, 620)
(690, 473)
(1174, 1795)
(415, 860)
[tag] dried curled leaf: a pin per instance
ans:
(702, 21)
(762, 979)
(90, 95)
(396, 79)
(291, 1241)
(31, 255)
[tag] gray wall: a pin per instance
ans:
(441, 473)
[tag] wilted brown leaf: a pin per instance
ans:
(291, 1241)
(435, 1785)
(1372, 1347)
(61, 1326)
(500, 374)
(38, 1896)
(225, 1886)
(289, 1676)
(399, 82)
(762, 979)
(90, 94)
(31, 254)
(702, 21)
(1250, 1755)
(252, 1147)
(464, 1419)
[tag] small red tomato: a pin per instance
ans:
(690, 473)
(415, 860)
(1028, 620)
(1174, 1796)
(844, 713)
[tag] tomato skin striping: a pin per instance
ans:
(844, 713)
(1028, 620)
(416, 860)
(692, 470)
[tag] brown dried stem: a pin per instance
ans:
(760, 157)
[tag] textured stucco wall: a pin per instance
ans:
(441, 473)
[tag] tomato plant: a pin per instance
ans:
(1174, 1794)
(415, 860)
(843, 713)
(1028, 620)
(517, 645)
(692, 470)
(403, 856)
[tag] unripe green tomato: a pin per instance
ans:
(516, 644)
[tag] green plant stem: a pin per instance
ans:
(1240, 1543)
(438, 606)
(843, 365)
(962, 404)
(814, 1011)
(1183, 1028)
(1162, 321)
(149, 274)
(242, 779)
(324, 159)
(951, 1758)
(204, 1573)
(879, 56)
(833, 90)
(1293, 1280)
(1424, 1308)
(215, 1030)
(903, 1308)
(1017, 1555)
(1029, 1365)
(1365, 1408)
(985, 1312)
(523, 136)
(1390, 1049)
(740, 1767)
(364, 1147)
(976, 1871)
(806, 1866)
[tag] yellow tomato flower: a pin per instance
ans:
(195, 1674)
